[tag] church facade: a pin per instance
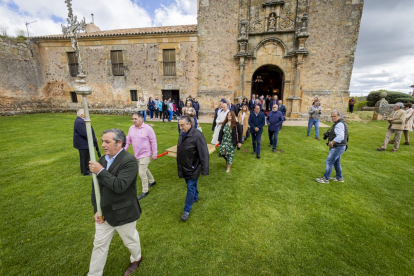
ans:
(295, 49)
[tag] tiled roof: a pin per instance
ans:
(129, 32)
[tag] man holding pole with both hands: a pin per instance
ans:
(117, 176)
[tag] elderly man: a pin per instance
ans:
(232, 107)
(274, 121)
(337, 143)
(282, 108)
(256, 123)
(252, 102)
(144, 143)
(80, 141)
(117, 176)
(396, 121)
(273, 102)
(192, 160)
(315, 112)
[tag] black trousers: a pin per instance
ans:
(84, 161)
(351, 108)
(197, 115)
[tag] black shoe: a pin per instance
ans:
(143, 195)
(258, 156)
(274, 150)
(253, 152)
(152, 184)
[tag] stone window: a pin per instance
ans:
(74, 97)
(134, 97)
(169, 62)
(73, 64)
(117, 63)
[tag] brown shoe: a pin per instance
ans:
(406, 143)
(132, 267)
(380, 149)
(318, 138)
(393, 150)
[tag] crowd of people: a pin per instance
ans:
(118, 170)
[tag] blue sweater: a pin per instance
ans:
(275, 120)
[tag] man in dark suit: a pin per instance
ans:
(256, 123)
(273, 102)
(282, 108)
(117, 175)
(192, 160)
(252, 102)
(216, 112)
(80, 141)
(232, 107)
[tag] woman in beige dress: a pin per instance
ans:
(243, 119)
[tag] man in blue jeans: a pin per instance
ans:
(315, 112)
(256, 123)
(337, 143)
(192, 160)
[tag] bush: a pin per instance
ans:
(405, 100)
(360, 105)
(392, 97)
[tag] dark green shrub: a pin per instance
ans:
(405, 100)
(391, 98)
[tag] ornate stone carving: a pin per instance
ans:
(243, 27)
(287, 20)
(257, 26)
(272, 22)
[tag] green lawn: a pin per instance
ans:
(267, 217)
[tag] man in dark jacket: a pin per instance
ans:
(282, 108)
(274, 121)
(256, 123)
(192, 160)
(80, 141)
(117, 176)
(196, 106)
(232, 107)
(273, 102)
(180, 107)
(252, 102)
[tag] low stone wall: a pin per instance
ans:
(121, 112)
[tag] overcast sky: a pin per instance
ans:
(384, 57)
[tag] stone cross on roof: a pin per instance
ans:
(72, 29)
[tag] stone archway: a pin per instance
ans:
(268, 80)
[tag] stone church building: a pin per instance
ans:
(296, 49)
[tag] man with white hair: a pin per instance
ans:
(232, 107)
(396, 122)
(337, 137)
(80, 141)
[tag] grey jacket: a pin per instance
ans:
(314, 112)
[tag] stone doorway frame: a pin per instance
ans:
(271, 93)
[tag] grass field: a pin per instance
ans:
(266, 217)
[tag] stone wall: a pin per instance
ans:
(143, 69)
(333, 28)
(217, 45)
(21, 75)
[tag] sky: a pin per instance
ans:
(384, 58)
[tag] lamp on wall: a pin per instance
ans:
(258, 79)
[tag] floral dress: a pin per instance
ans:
(226, 146)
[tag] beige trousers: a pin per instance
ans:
(397, 138)
(103, 236)
(144, 173)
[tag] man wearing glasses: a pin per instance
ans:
(337, 137)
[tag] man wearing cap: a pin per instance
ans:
(396, 121)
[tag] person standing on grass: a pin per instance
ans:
(351, 104)
(396, 121)
(143, 140)
(315, 112)
(80, 141)
(192, 160)
(160, 109)
(337, 143)
(164, 111)
(221, 116)
(256, 123)
(170, 109)
(243, 119)
(408, 126)
(274, 121)
(117, 176)
(196, 106)
(156, 108)
(151, 107)
(282, 108)
(142, 107)
(230, 136)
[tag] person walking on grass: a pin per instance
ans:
(230, 136)
(337, 143)
(396, 121)
(143, 140)
(192, 160)
(408, 126)
(117, 176)
(315, 112)
(256, 123)
(274, 121)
